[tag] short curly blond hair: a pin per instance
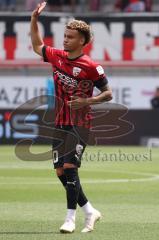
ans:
(82, 27)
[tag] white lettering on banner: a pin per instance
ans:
(108, 44)
(24, 47)
(2, 31)
(58, 33)
(109, 41)
(145, 34)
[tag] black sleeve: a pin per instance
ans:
(101, 82)
(44, 54)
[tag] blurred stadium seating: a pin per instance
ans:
(106, 5)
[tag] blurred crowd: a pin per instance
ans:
(8, 5)
(80, 5)
(133, 5)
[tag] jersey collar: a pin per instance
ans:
(73, 59)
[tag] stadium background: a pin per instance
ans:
(115, 174)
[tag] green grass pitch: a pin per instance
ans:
(126, 191)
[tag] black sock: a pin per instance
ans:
(72, 187)
(82, 199)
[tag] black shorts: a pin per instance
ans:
(69, 143)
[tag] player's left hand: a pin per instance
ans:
(40, 7)
(77, 102)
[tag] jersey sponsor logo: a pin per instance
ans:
(76, 71)
(66, 79)
(100, 70)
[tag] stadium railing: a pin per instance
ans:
(9, 64)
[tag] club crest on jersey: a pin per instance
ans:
(76, 71)
(79, 149)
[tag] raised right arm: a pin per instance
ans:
(36, 39)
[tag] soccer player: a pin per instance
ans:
(75, 75)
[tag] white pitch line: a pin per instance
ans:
(151, 177)
(100, 181)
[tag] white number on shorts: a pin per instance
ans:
(55, 156)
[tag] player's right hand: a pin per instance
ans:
(39, 9)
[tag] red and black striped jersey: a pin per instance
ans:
(73, 77)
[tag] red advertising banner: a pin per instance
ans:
(116, 37)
